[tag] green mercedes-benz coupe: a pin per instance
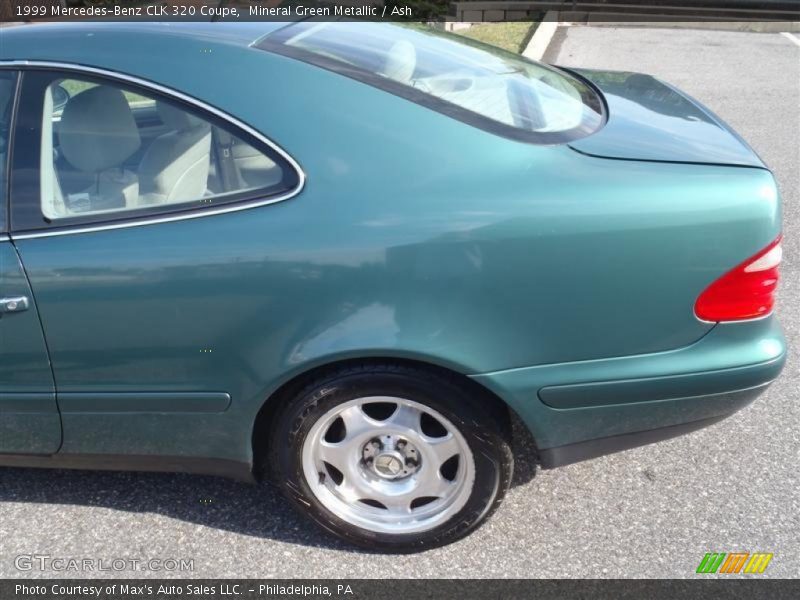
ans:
(345, 256)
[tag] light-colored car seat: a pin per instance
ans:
(175, 166)
(97, 134)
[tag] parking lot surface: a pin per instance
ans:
(649, 512)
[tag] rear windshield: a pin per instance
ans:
(473, 82)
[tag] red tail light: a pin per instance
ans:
(746, 292)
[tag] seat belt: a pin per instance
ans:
(230, 175)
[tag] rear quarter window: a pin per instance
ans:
(95, 150)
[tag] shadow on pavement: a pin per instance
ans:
(253, 510)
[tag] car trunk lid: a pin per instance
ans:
(651, 121)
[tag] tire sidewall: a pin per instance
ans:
(490, 452)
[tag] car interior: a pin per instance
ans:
(497, 86)
(106, 149)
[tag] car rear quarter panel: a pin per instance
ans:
(416, 236)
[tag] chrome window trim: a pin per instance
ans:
(169, 92)
(4, 238)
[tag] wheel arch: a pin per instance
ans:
(283, 394)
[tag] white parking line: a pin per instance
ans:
(542, 37)
(791, 37)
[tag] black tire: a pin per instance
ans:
(467, 409)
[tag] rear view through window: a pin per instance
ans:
(479, 84)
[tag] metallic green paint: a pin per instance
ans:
(651, 120)
(29, 420)
(155, 402)
(416, 236)
(602, 393)
(731, 358)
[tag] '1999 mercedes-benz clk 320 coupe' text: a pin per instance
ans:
(346, 255)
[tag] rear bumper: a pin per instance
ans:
(572, 453)
(581, 410)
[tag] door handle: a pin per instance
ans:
(14, 304)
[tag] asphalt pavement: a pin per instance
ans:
(649, 512)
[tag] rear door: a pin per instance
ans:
(29, 419)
